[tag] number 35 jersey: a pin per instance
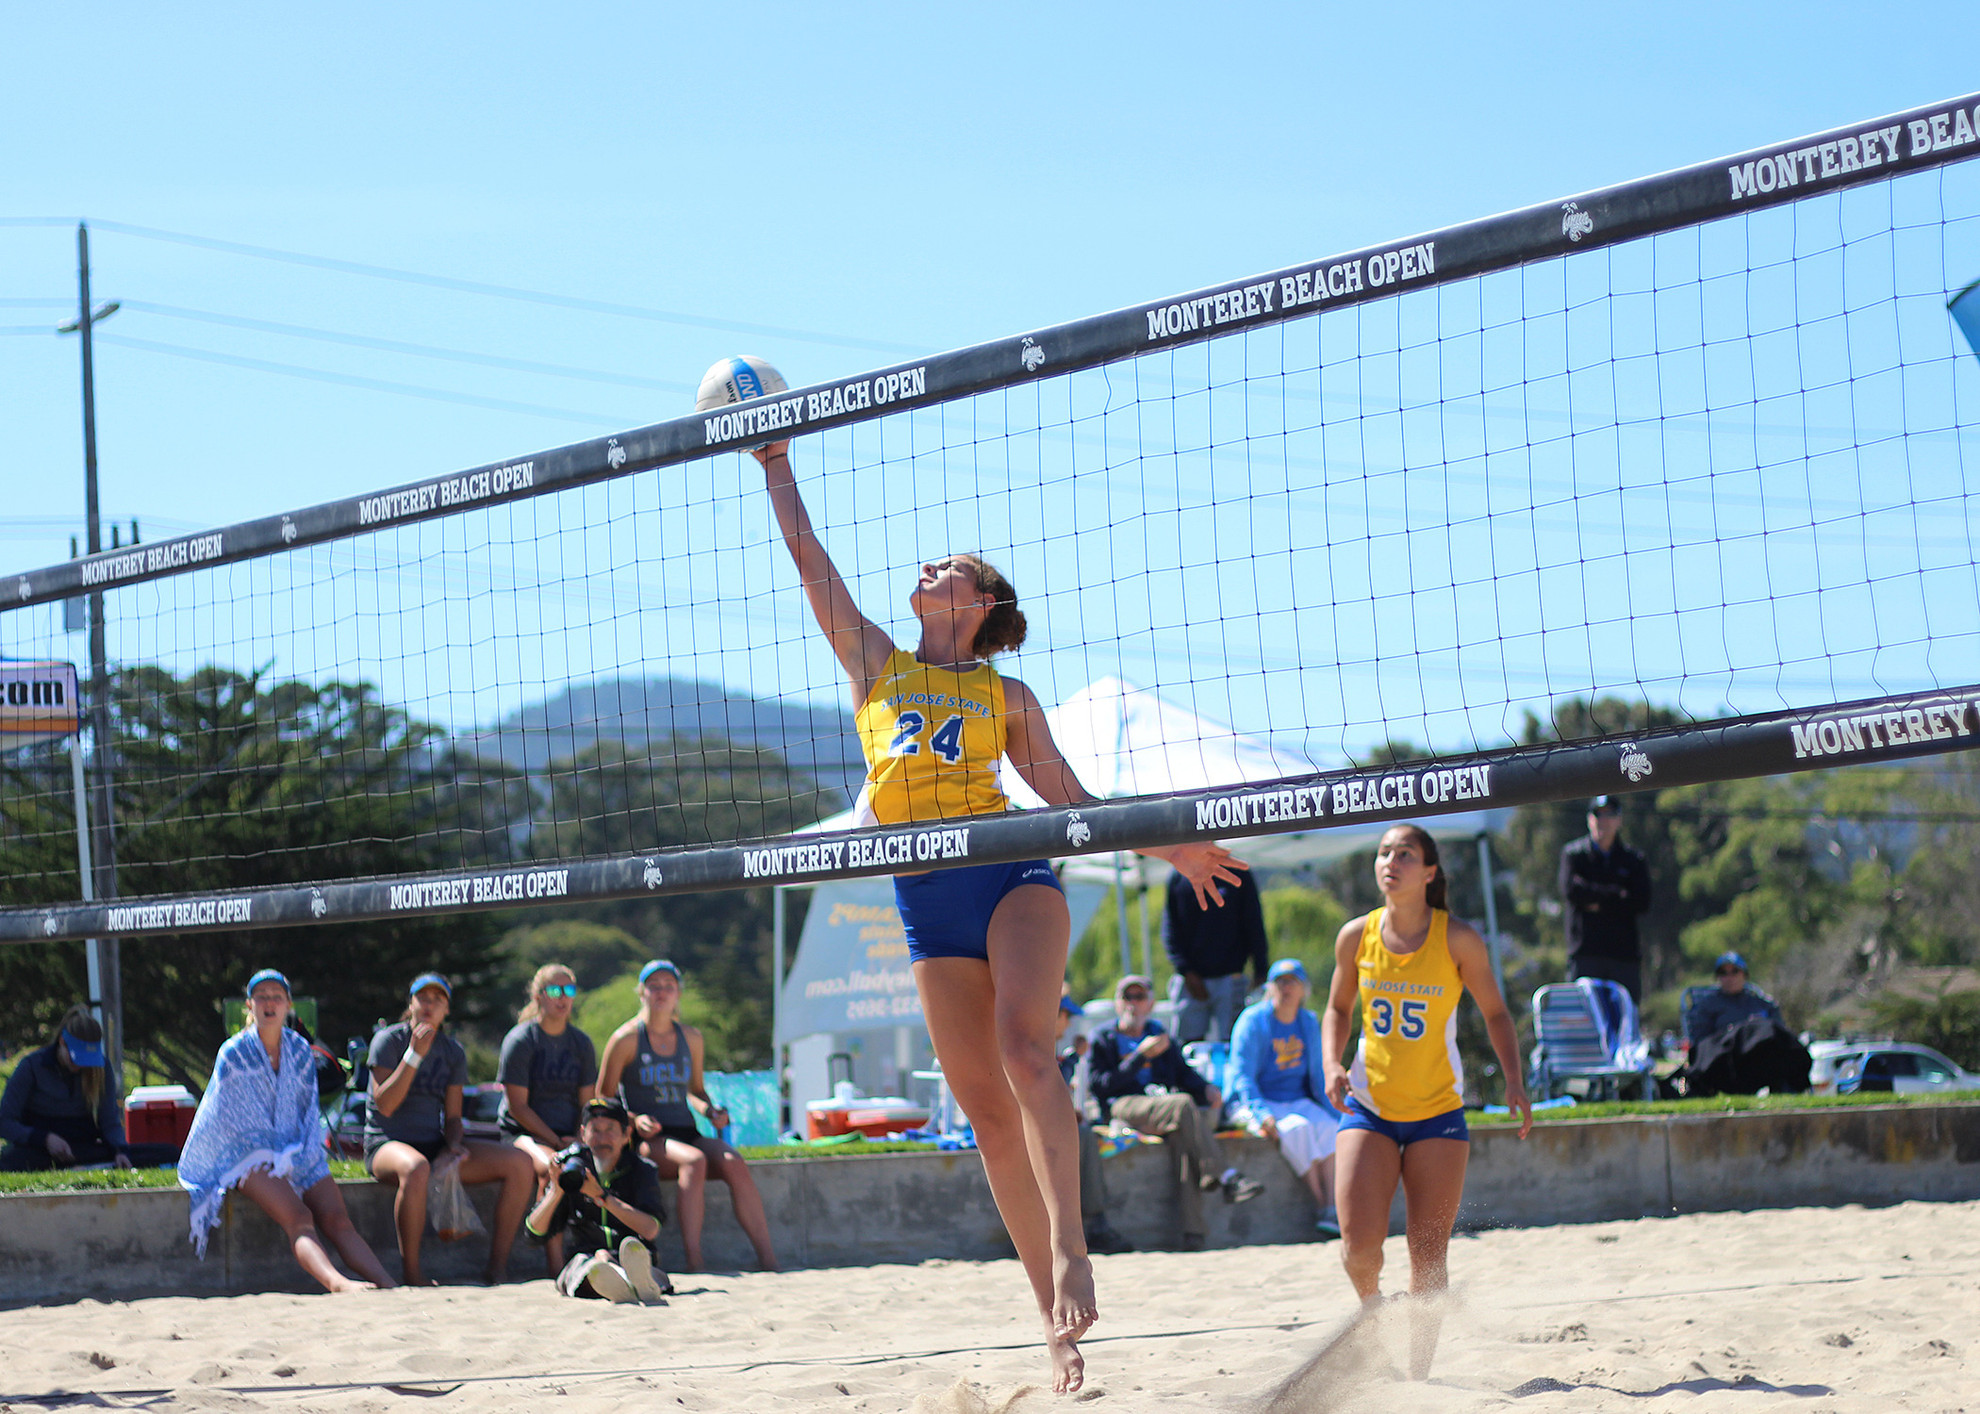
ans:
(933, 738)
(1407, 1068)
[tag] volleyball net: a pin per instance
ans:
(1338, 536)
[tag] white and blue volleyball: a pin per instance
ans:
(735, 380)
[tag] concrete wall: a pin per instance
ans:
(910, 1207)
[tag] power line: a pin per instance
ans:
(481, 287)
(366, 341)
(376, 385)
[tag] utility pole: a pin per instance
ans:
(106, 969)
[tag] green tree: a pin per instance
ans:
(226, 782)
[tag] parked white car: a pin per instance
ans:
(1901, 1068)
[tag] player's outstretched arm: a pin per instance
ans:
(1028, 742)
(861, 646)
(1474, 965)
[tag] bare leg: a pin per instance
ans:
(488, 1162)
(1370, 1165)
(405, 1168)
(959, 1006)
(1028, 938)
(1433, 1184)
(1326, 1173)
(326, 1201)
(543, 1160)
(688, 1167)
(275, 1198)
(728, 1166)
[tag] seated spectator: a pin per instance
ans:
(58, 1109)
(258, 1129)
(1141, 1080)
(1735, 1000)
(1100, 1234)
(607, 1198)
(1278, 1083)
(547, 1071)
(653, 1063)
(413, 1121)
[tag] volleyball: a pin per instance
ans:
(734, 380)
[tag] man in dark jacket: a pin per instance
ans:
(1604, 885)
(1141, 1080)
(1209, 949)
(1734, 1001)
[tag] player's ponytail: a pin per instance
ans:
(1003, 627)
(1434, 893)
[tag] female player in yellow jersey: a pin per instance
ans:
(1402, 1103)
(987, 942)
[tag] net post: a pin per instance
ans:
(1491, 911)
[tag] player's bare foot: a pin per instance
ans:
(1068, 1366)
(1073, 1304)
(347, 1284)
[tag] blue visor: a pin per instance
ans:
(1287, 967)
(269, 974)
(430, 979)
(658, 966)
(83, 1052)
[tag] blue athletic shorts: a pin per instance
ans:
(1448, 1125)
(946, 912)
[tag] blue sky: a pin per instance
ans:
(830, 186)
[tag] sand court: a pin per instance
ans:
(1808, 1309)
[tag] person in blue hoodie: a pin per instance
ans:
(1277, 1084)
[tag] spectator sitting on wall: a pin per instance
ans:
(1734, 1001)
(259, 1131)
(1141, 1080)
(60, 1110)
(1100, 1234)
(606, 1198)
(547, 1070)
(1278, 1081)
(653, 1063)
(1209, 949)
(413, 1121)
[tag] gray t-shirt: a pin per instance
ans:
(421, 1117)
(552, 1068)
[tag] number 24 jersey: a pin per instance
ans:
(933, 738)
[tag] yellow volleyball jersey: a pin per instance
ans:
(1407, 1068)
(932, 738)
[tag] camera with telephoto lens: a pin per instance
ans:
(576, 1169)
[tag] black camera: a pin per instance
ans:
(576, 1169)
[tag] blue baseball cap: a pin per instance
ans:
(1071, 1007)
(1731, 959)
(658, 965)
(83, 1052)
(269, 974)
(430, 979)
(1287, 967)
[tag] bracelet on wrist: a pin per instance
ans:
(413, 1058)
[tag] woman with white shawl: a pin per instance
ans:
(258, 1129)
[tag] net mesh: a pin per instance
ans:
(1721, 470)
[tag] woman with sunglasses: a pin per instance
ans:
(988, 943)
(548, 1070)
(414, 1121)
(1402, 1104)
(258, 1130)
(653, 1063)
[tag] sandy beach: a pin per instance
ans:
(1811, 1309)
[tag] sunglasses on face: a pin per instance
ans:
(1134, 996)
(560, 989)
(1728, 972)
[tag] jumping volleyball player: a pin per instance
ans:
(987, 942)
(1402, 1105)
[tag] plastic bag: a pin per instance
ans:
(448, 1208)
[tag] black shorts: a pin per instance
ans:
(428, 1151)
(688, 1134)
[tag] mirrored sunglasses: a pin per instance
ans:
(560, 989)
